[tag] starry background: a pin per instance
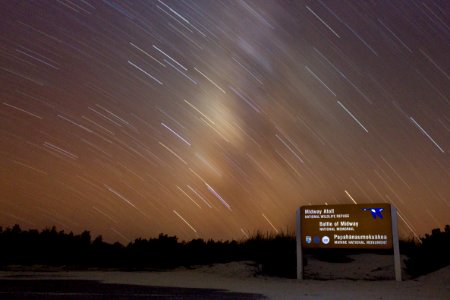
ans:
(216, 119)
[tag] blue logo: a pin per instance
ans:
(317, 239)
(376, 212)
(308, 239)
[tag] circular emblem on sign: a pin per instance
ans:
(325, 240)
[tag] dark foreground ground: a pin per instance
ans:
(90, 289)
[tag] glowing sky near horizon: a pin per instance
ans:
(215, 119)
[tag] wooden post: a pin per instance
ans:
(299, 246)
(397, 263)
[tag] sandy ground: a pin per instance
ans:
(367, 277)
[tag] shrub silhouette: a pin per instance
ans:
(274, 254)
(432, 254)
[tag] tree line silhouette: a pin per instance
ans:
(431, 254)
(51, 247)
(274, 254)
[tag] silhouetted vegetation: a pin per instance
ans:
(431, 254)
(274, 254)
(50, 247)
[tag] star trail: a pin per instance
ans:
(216, 119)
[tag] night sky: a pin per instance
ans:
(215, 119)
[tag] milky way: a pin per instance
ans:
(215, 119)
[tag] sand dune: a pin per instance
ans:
(368, 276)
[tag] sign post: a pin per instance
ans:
(353, 226)
(299, 246)
(397, 264)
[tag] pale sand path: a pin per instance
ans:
(239, 277)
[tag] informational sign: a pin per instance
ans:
(363, 226)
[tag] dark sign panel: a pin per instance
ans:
(365, 226)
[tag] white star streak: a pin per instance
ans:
(102, 115)
(252, 105)
(147, 54)
(169, 57)
(173, 11)
(350, 196)
(268, 221)
(426, 134)
(113, 114)
(173, 152)
(98, 125)
(104, 214)
(145, 72)
(22, 110)
(74, 123)
(290, 149)
(173, 131)
(29, 167)
(38, 59)
(323, 22)
(434, 63)
(200, 196)
(320, 80)
(218, 196)
(409, 226)
(394, 35)
(354, 118)
(60, 150)
(179, 71)
(245, 234)
(197, 110)
(119, 195)
(184, 220)
(211, 81)
(181, 190)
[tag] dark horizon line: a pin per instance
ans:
(256, 234)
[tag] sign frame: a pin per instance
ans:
(394, 236)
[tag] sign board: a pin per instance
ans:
(361, 226)
(357, 226)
